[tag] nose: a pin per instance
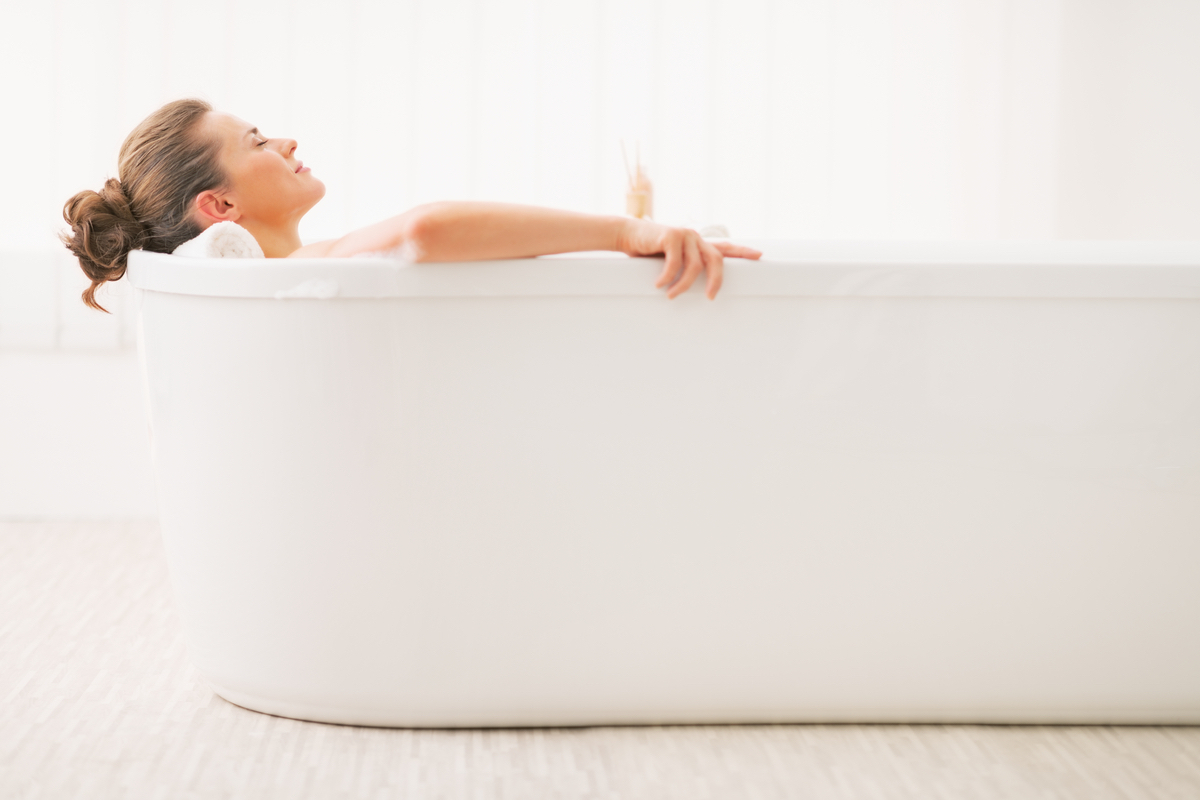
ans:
(287, 146)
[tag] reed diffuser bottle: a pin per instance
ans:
(639, 197)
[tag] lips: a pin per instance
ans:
(299, 166)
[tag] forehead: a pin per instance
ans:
(227, 126)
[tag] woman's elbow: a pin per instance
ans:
(422, 234)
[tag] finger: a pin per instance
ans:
(714, 264)
(737, 250)
(692, 266)
(674, 258)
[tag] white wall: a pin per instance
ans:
(74, 441)
(780, 118)
(1129, 154)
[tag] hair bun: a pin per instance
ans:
(113, 193)
(103, 231)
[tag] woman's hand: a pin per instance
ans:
(687, 254)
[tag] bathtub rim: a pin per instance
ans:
(789, 268)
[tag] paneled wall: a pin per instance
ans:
(777, 118)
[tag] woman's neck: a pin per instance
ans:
(276, 242)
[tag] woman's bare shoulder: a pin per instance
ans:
(314, 250)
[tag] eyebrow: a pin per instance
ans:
(252, 130)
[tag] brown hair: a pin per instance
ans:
(164, 163)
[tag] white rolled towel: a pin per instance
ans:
(221, 240)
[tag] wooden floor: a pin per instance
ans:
(98, 700)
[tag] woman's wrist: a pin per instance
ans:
(624, 232)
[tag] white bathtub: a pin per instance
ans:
(918, 482)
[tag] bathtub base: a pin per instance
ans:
(780, 714)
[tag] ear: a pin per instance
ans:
(214, 207)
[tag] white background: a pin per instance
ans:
(946, 119)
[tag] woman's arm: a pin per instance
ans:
(474, 231)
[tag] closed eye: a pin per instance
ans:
(260, 144)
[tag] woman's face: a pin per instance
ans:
(268, 185)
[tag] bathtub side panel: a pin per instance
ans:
(589, 510)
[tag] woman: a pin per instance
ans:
(186, 167)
